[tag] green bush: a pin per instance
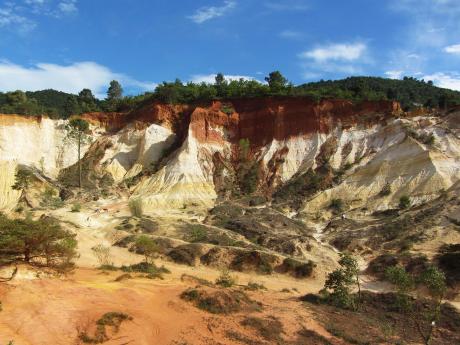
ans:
(404, 202)
(36, 242)
(76, 208)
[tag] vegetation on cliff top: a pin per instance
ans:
(410, 92)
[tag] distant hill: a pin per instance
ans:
(410, 92)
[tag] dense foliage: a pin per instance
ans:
(41, 242)
(409, 91)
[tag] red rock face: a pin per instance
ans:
(213, 126)
(262, 120)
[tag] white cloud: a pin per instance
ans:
(336, 52)
(71, 78)
(336, 58)
(394, 74)
(204, 14)
(446, 80)
(67, 6)
(11, 19)
(453, 49)
(211, 78)
(23, 16)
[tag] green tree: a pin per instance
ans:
(22, 179)
(77, 131)
(220, 79)
(86, 95)
(115, 91)
(87, 100)
(435, 282)
(146, 246)
(42, 241)
(71, 107)
(403, 282)
(341, 281)
(276, 81)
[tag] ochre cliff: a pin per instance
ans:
(287, 137)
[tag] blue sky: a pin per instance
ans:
(72, 44)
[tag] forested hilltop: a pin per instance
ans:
(410, 92)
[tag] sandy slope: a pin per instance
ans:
(52, 311)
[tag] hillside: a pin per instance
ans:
(271, 188)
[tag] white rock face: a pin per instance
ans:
(391, 157)
(8, 196)
(376, 156)
(39, 144)
(133, 149)
(186, 179)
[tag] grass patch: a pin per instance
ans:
(111, 321)
(151, 270)
(220, 301)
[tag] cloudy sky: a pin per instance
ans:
(72, 44)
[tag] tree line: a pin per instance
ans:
(410, 92)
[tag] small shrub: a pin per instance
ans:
(76, 208)
(148, 247)
(404, 202)
(429, 139)
(336, 204)
(152, 271)
(197, 233)
(135, 206)
(225, 279)
(255, 286)
(103, 255)
(227, 109)
(108, 268)
(220, 301)
(51, 199)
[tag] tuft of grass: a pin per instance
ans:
(136, 208)
(255, 286)
(225, 279)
